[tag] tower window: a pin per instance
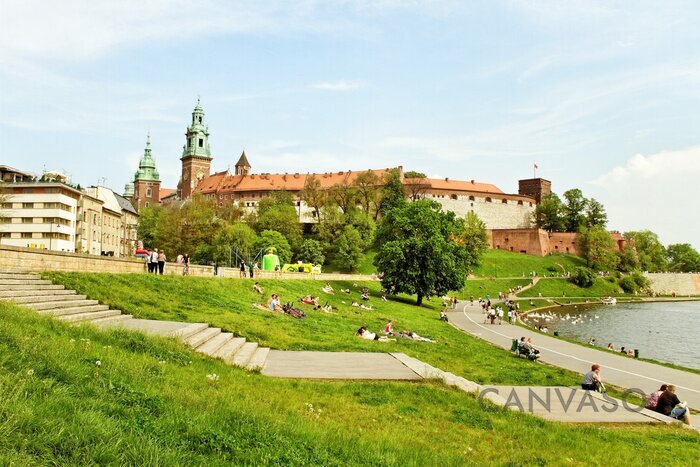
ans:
(149, 193)
(200, 119)
(201, 142)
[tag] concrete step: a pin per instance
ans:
(48, 286)
(14, 275)
(201, 337)
(213, 345)
(32, 293)
(257, 361)
(190, 330)
(244, 354)
(89, 316)
(229, 349)
(73, 310)
(112, 319)
(61, 304)
(36, 281)
(47, 298)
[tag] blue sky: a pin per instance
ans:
(601, 95)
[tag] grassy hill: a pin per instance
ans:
(500, 263)
(150, 402)
(562, 287)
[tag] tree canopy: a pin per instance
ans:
(650, 251)
(598, 248)
(682, 257)
(418, 253)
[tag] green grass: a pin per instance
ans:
(558, 287)
(500, 263)
(226, 303)
(150, 403)
(482, 287)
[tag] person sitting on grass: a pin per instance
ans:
(328, 288)
(365, 294)
(371, 336)
(274, 303)
(345, 290)
(669, 405)
(653, 399)
(591, 380)
(257, 288)
(443, 316)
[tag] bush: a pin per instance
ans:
(641, 280)
(583, 277)
(628, 285)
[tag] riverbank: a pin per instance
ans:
(577, 308)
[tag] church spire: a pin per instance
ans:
(147, 166)
(242, 166)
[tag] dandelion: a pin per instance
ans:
(30, 372)
(98, 363)
(213, 377)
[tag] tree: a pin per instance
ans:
(393, 192)
(473, 238)
(549, 214)
(583, 277)
(598, 248)
(574, 210)
(151, 221)
(330, 226)
(682, 257)
(629, 261)
(229, 239)
(277, 212)
(273, 239)
(364, 225)
(419, 254)
(595, 214)
(416, 187)
(344, 196)
(368, 190)
(311, 252)
(314, 195)
(413, 174)
(651, 252)
(348, 252)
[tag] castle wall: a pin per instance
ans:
(501, 212)
(530, 241)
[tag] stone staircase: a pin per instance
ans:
(45, 298)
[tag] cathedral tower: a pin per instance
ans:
(146, 181)
(196, 156)
(242, 166)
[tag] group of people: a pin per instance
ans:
(156, 261)
(664, 400)
(526, 349)
(250, 268)
(275, 304)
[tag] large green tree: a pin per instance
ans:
(598, 248)
(574, 210)
(595, 214)
(418, 253)
(311, 252)
(549, 214)
(368, 189)
(682, 257)
(278, 212)
(314, 195)
(234, 238)
(650, 251)
(394, 194)
(348, 251)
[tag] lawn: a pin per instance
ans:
(481, 287)
(227, 303)
(500, 263)
(151, 402)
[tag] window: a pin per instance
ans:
(453, 196)
(27, 205)
(504, 201)
(149, 192)
(5, 235)
(26, 235)
(200, 119)
(201, 142)
(471, 198)
(27, 220)
(6, 206)
(520, 203)
(488, 200)
(148, 204)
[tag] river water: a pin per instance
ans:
(664, 331)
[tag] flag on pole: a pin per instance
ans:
(536, 166)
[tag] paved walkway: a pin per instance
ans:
(617, 370)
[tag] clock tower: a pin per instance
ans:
(196, 156)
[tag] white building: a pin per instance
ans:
(39, 215)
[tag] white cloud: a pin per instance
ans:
(657, 192)
(337, 85)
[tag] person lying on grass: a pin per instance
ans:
(359, 305)
(310, 300)
(406, 334)
(371, 336)
(257, 288)
(327, 308)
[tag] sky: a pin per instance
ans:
(602, 96)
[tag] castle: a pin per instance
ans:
(508, 217)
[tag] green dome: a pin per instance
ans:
(147, 166)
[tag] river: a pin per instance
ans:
(664, 331)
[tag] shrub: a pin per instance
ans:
(628, 284)
(583, 277)
(641, 280)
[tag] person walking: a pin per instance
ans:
(161, 262)
(250, 269)
(242, 274)
(185, 264)
(154, 261)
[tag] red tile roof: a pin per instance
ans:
(165, 192)
(456, 185)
